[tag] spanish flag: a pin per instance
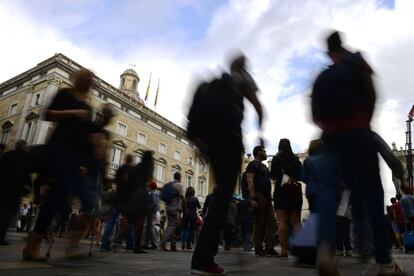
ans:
(148, 88)
(156, 95)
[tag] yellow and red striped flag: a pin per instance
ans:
(148, 88)
(156, 95)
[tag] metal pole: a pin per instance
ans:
(409, 154)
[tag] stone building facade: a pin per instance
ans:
(135, 129)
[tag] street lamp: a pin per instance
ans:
(408, 148)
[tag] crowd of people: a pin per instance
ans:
(341, 173)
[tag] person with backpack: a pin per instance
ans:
(286, 171)
(342, 102)
(214, 125)
(189, 218)
(173, 197)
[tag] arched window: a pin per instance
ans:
(134, 85)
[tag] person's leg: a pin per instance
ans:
(270, 228)
(108, 229)
(347, 236)
(283, 219)
(191, 232)
(339, 235)
(259, 223)
(226, 162)
(5, 218)
(139, 228)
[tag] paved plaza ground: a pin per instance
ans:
(236, 262)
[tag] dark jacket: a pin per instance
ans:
(343, 95)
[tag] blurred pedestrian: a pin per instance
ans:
(286, 171)
(343, 102)
(217, 133)
(150, 240)
(74, 164)
(174, 206)
(189, 218)
(134, 199)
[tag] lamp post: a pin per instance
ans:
(408, 148)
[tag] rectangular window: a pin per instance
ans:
(188, 180)
(121, 129)
(177, 155)
(138, 159)
(190, 161)
(98, 117)
(162, 148)
(159, 171)
(13, 109)
(29, 131)
(201, 186)
(4, 135)
(36, 99)
(142, 138)
(116, 158)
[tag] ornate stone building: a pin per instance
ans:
(134, 130)
(401, 154)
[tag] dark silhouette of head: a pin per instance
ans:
(83, 80)
(238, 62)
(128, 159)
(21, 145)
(398, 197)
(315, 147)
(393, 200)
(284, 147)
(259, 152)
(190, 191)
(336, 51)
(177, 176)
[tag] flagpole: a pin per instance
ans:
(148, 88)
(156, 95)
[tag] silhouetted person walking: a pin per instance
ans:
(215, 126)
(343, 102)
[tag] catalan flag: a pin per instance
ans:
(411, 113)
(156, 95)
(148, 88)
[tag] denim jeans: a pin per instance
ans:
(354, 156)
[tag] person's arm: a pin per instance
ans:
(252, 192)
(252, 98)
(61, 115)
(198, 204)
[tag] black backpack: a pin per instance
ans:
(217, 108)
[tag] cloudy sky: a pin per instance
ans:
(183, 40)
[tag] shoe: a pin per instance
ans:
(139, 251)
(183, 246)
(213, 269)
(326, 262)
(392, 269)
(348, 254)
(188, 246)
(340, 253)
(259, 252)
(272, 253)
(75, 251)
(153, 247)
(3, 242)
(31, 251)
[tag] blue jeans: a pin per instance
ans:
(355, 157)
(149, 230)
(188, 230)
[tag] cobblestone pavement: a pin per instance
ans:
(236, 262)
